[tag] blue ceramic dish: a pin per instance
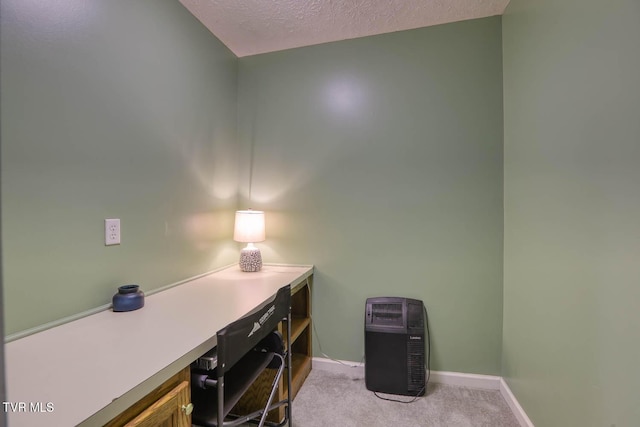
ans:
(128, 298)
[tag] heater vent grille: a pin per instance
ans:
(415, 364)
(387, 314)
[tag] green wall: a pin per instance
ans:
(379, 160)
(111, 108)
(572, 210)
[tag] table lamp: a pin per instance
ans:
(249, 229)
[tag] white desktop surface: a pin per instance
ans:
(93, 368)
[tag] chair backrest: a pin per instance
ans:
(237, 338)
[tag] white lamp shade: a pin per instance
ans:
(249, 226)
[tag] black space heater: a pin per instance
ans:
(394, 346)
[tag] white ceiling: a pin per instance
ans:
(249, 27)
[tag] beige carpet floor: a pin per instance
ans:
(339, 399)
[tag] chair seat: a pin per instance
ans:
(236, 381)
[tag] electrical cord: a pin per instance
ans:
(428, 367)
(426, 320)
(313, 324)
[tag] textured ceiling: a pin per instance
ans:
(249, 27)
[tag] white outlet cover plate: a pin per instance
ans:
(112, 231)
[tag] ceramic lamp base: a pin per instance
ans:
(250, 259)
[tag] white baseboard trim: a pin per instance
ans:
(338, 366)
(513, 403)
(484, 382)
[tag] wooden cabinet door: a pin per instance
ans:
(167, 411)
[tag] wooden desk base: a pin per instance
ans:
(162, 407)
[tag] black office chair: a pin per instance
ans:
(245, 349)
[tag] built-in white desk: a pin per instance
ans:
(94, 368)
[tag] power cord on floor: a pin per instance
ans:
(416, 397)
(428, 367)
